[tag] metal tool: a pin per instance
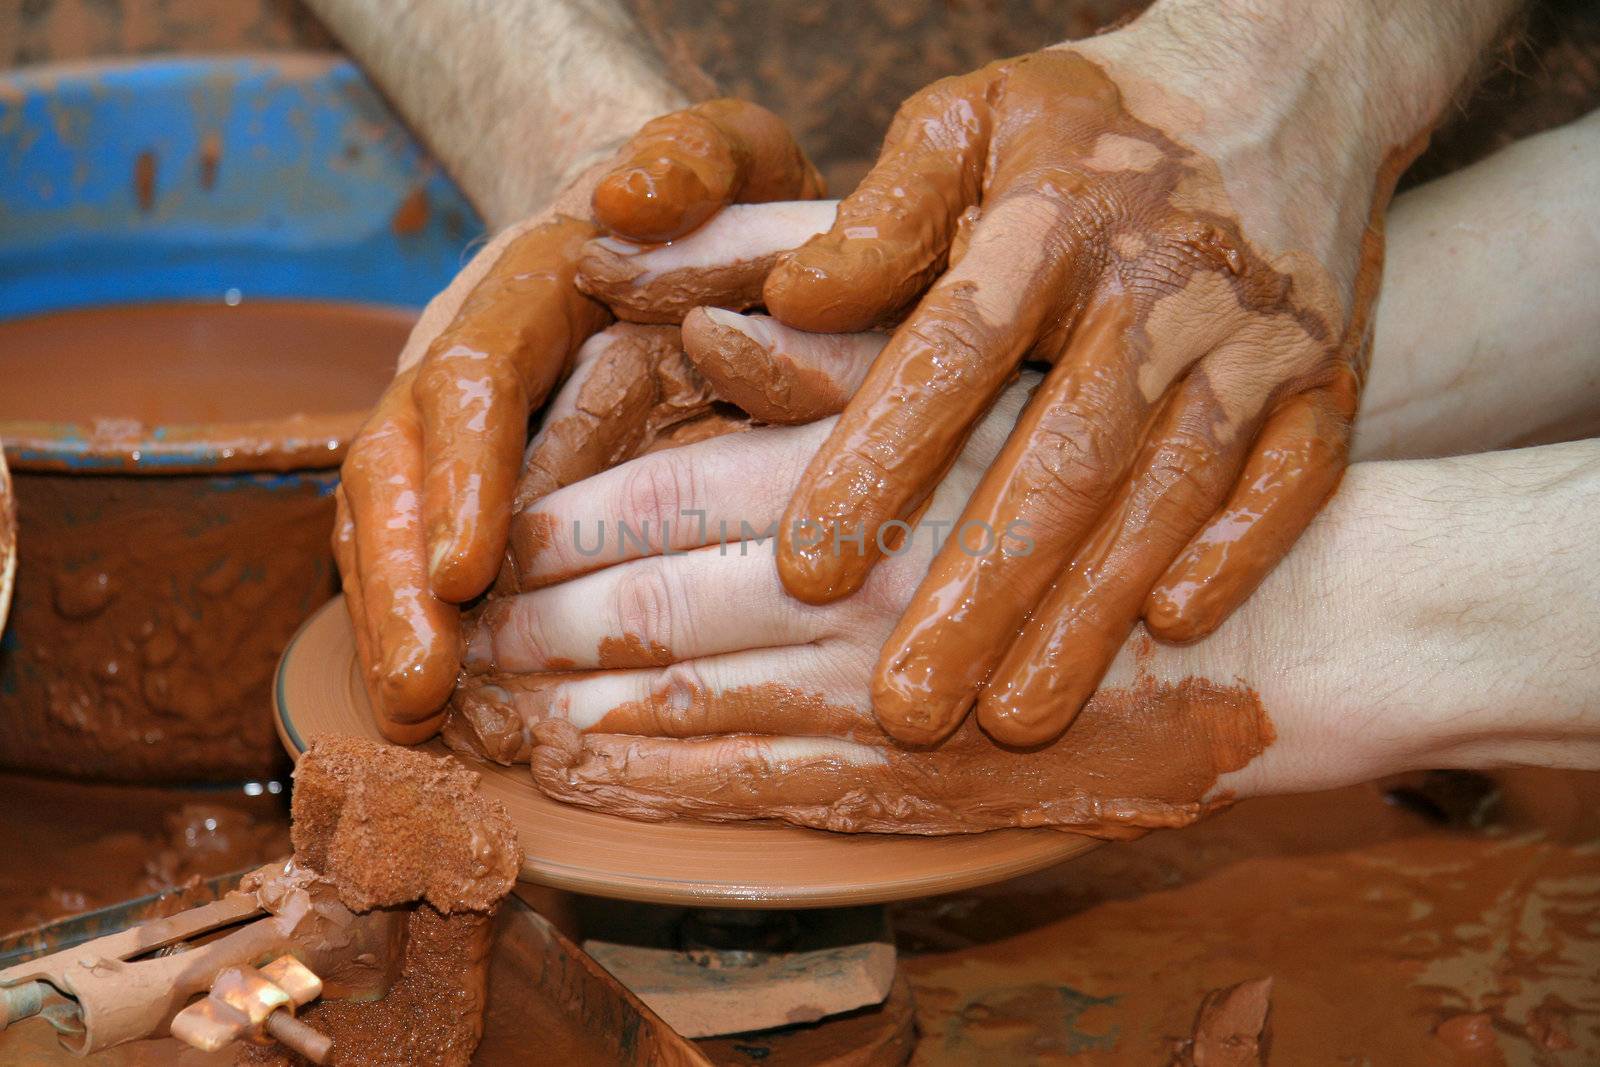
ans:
(256, 954)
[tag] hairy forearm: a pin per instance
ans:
(1333, 97)
(515, 97)
(1388, 68)
(1488, 332)
(1439, 613)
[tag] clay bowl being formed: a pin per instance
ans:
(207, 268)
(754, 865)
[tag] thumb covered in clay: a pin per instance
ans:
(681, 169)
(776, 373)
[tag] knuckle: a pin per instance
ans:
(644, 604)
(678, 701)
(523, 627)
(655, 491)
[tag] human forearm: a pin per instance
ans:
(516, 98)
(1437, 614)
(1488, 330)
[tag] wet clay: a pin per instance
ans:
(1142, 757)
(264, 385)
(1132, 443)
(74, 846)
(458, 426)
(512, 340)
(148, 621)
(1378, 926)
(1231, 1029)
(453, 425)
(679, 169)
(632, 384)
(773, 373)
(723, 264)
(390, 826)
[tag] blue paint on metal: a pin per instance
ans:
(310, 169)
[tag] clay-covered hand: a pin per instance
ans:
(428, 484)
(1204, 303)
(707, 691)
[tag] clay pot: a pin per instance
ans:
(163, 565)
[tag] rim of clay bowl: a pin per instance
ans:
(297, 442)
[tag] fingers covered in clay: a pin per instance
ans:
(510, 342)
(779, 691)
(631, 386)
(1057, 661)
(775, 373)
(722, 264)
(680, 169)
(410, 635)
(1080, 235)
(647, 612)
(1057, 472)
(934, 380)
(1294, 467)
(893, 234)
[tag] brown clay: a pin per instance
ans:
(162, 566)
(387, 827)
(1231, 1029)
(406, 634)
(432, 1014)
(1376, 923)
(90, 845)
(774, 373)
(722, 264)
(426, 503)
(678, 170)
(268, 385)
(391, 826)
(676, 862)
(1143, 757)
(510, 343)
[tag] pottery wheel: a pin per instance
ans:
(756, 864)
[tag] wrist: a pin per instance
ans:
(1368, 76)
(1438, 614)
